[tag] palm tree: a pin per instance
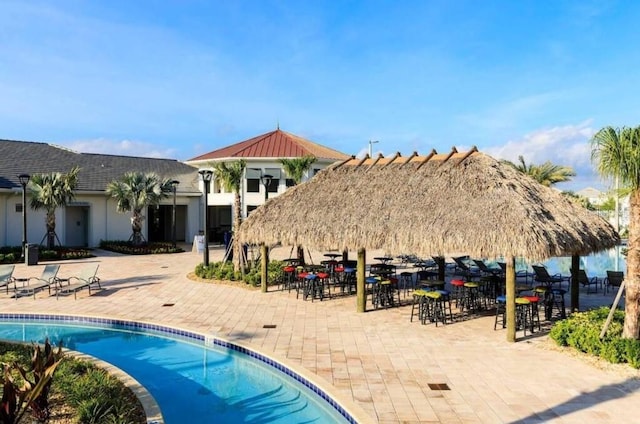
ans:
(616, 153)
(546, 174)
(295, 169)
(230, 176)
(49, 192)
(135, 191)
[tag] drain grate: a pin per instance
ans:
(168, 304)
(438, 386)
(269, 326)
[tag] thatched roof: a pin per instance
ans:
(430, 205)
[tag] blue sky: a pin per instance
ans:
(180, 78)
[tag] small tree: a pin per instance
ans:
(49, 192)
(230, 175)
(546, 174)
(296, 168)
(133, 193)
(616, 154)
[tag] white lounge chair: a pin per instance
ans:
(6, 275)
(33, 285)
(85, 279)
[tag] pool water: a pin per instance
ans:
(595, 265)
(190, 382)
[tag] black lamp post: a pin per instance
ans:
(265, 179)
(206, 177)
(174, 185)
(24, 180)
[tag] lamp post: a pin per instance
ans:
(265, 179)
(206, 177)
(174, 185)
(371, 143)
(24, 180)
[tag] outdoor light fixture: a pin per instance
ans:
(24, 180)
(206, 175)
(265, 179)
(174, 186)
(371, 143)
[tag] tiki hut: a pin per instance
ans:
(430, 206)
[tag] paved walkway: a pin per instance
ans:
(378, 360)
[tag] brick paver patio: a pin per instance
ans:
(378, 360)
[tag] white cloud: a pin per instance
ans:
(122, 147)
(567, 145)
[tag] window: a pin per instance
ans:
(251, 208)
(19, 207)
(253, 180)
(289, 182)
(275, 179)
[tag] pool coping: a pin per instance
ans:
(346, 408)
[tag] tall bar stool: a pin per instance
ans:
(419, 304)
(501, 311)
(405, 282)
(372, 288)
(534, 314)
(523, 311)
(557, 302)
(301, 282)
(457, 291)
(289, 277)
(471, 297)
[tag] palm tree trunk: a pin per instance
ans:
(51, 229)
(237, 219)
(136, 227)
(632, 280)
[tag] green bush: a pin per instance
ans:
(582, 332)
(128, 248)
(224, 271)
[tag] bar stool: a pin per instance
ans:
(289, 277)
(301, 283)
(501, 311)
(523, 309)
(405, 283)
(310, 286)
(349, 279)
(471, 297)
(419, 300)
(533, 313)
(457, 291)
(371, 285)
(557, 302)
(445, 300)
(323, 284)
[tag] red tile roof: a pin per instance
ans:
(274, 144)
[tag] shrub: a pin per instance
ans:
(128, 248)
(224, 271)
(582, 332)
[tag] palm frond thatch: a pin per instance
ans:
(429, 205)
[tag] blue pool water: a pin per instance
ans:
(595, 265)
(191, 382)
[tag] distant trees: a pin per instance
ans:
(616, 154)
(49, 192)
(546, 174)
(135, 191)
(297, 167)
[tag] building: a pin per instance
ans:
(597, 198)
(262, 154)
(92, 216)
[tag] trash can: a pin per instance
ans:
(31, 254)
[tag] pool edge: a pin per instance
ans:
(352, 412)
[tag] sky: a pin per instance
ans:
(180, 78)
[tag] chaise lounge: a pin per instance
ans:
(33, 285)
(84, 280)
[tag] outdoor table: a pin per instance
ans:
(383, 259)
(432, 284)
(332, 255)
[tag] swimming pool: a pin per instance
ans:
(194, 379)
(595, 265)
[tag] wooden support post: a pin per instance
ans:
(361, 294)
(511, 298)
(575, 285)
(441, 267)
(264, 266)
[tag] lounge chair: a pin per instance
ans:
(543, 276)
(585, 280)
(6, 276)
(84, 280)
(464, 269)
(614, 279)
(33, 285)
(486, 269)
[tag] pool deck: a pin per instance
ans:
(377, 360)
